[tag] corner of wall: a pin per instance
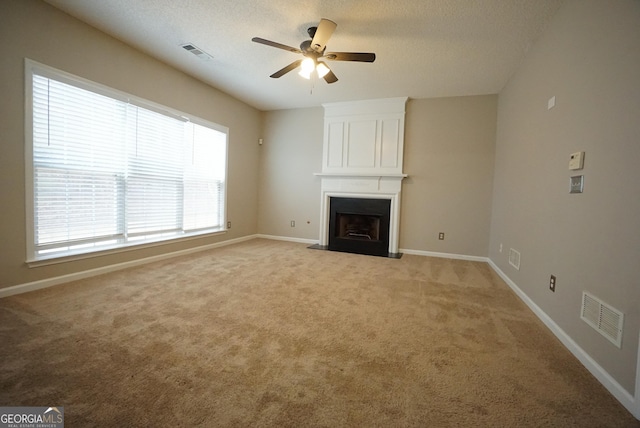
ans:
(631, 403)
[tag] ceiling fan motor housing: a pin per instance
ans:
(308, 50)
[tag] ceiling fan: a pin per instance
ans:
(314, 50)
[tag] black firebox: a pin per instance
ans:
(359, 225)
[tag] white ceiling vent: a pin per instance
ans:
(197, 52)
(605, 319)
(514, 258)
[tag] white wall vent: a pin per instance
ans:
(514, 258)
(197, 51)
(606, 320)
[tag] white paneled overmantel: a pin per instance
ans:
(364, 137)
(362, 157)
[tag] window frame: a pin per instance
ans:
(32, 258)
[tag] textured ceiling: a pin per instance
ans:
(424, 48)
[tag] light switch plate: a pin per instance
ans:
(577, 184)
(576, 161)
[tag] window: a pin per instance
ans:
(107, 170)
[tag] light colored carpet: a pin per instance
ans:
(269, 333)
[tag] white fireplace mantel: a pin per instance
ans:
(365, 184)
(362, 157)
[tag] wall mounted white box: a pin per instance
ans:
(576, 161)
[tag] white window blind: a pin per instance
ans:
(110, 173)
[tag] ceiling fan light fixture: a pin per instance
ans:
(306, 68)
(322, 70)
(307, 65)
(305, 74)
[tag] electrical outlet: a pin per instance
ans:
(500, 249)
(293, 223)
(441, 236)
(552, 283)
(228, 225)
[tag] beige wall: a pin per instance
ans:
(448, 155)
(589, 58)
(33, 29)
(290, 154)
(449, 151)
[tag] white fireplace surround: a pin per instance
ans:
(362, 157)
(373, 187)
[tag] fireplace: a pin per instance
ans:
(361, 177)
(359, 225)
(355, 209)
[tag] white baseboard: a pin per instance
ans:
(625, 398)
(402, 250)
(444, 255)
(288, 239)
(637, 394)
(49, 282)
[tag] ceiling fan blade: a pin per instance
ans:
(350, 56)
(286, 69)
(330, 77)
(323, 33)
(276, 45)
